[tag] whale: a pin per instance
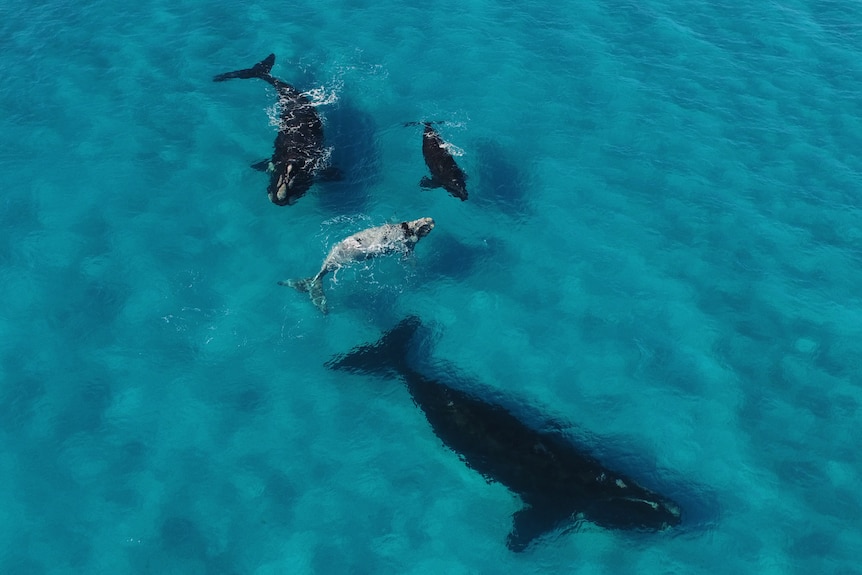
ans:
(299, 156)
(445, 172)
(363, 245)
(560, 484)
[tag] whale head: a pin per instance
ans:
(637, 513)
(619, 503)
(289, 181)
(418, 228)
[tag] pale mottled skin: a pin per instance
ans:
(363, 245)
(373, 242)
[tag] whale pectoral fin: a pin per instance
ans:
(408, 256)
(262, 166)
(429, 183)
(531, 523)
(331, 174)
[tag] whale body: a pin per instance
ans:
(445, 172)
(363, 245)
(299, 155)
(559, 484)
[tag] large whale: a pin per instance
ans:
(363, 245)
(445, 172)
(559, 484)
(299, 155)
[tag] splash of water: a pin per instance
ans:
(323, 95)
(453, 149)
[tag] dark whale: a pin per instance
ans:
(299, 155)
(559, 484)
(445, 173)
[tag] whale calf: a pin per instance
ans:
(299, 155)
(363, 245)
(559, 484)
(445, 172)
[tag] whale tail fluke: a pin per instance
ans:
(259, 70)
(313, 286)
(387, 356)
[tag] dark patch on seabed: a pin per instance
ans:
(180, 535)
(85, 412)
(19, 215)
(19, 396)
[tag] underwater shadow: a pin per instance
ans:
(352, 134)
(503, 184)
(455, 259)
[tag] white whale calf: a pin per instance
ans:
(363, 245)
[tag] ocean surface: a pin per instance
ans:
(662, 251)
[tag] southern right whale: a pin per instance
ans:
(363, 245)
(559, 484)
(444, 170)
(299, 155)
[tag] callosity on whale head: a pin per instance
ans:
(289, 181)
(419, 228)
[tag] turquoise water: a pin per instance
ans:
(661, 249)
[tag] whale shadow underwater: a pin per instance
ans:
(504, 183)
(352, 133)
(560, 485)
